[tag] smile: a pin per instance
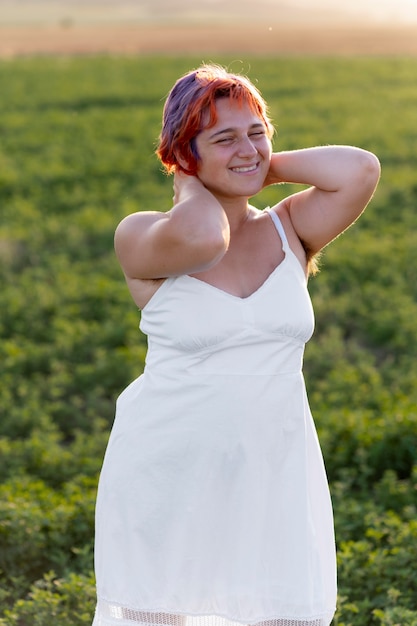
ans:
(244, 169)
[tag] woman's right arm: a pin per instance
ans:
(191, 237)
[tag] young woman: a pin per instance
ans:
(213, 505)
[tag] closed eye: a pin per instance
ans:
(256, 134)
(225, 140)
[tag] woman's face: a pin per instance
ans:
(234, 153)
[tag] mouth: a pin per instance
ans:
(244, 169)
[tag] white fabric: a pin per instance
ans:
(213, 505)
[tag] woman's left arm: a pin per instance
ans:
(342, 181)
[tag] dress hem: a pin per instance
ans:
(114, 614)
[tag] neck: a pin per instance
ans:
(237, 211)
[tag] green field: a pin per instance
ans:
(76, 155)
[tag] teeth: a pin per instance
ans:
(249, 168)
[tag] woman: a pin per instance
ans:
(213, 505)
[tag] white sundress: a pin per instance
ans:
(213, 506)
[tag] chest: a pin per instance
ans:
(191, 314)
(247, 264)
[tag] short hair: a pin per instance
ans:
(191, 98)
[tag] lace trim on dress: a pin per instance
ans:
(114, 615)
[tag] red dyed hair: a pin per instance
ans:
(187, 105)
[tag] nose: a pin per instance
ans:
(247, 147)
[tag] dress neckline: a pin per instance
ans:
(232, 295)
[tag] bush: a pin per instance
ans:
(62, 601)
(43, 529)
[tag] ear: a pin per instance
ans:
(184, 165)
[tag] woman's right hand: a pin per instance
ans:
(181, 181)
(185, 186)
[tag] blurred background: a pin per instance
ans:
(312, 11)
(189, 26)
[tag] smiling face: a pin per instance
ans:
(191, 107)
(235, 153)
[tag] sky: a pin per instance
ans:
(378, 11)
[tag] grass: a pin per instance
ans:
(76, 155)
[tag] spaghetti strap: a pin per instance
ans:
(279, 227)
